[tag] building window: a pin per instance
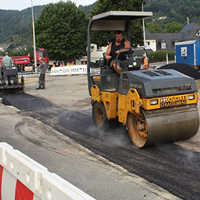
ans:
(198, 33)
(159, 45)
(174, 44)
(163, 45)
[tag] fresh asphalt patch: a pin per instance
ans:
(169, 166)
(183, 68)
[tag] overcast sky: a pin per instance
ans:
(22, 4)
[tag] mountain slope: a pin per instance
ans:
(175, 10)
(15, 26)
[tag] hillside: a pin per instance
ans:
(87, 9)
(15, 26)
(175, 10)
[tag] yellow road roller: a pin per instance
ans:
(156, 106)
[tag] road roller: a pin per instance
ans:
(10, 81)
(155, 106)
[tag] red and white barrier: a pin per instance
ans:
(21, 178)
(12, 188)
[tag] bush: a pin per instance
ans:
(159, 56)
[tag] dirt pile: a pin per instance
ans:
(183, 68)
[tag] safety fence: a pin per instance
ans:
(22, 178)
(74, 69)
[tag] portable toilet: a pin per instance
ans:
(188, 52)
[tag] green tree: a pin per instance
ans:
(118, 5)
(174, 27)
(61, 29)
(154, 27)
(162, 27)
(121, 5)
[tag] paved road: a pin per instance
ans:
(64, 107)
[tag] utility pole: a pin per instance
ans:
(143, 25)
(34, 43)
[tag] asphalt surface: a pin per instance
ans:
(174, 167)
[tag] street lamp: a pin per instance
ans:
(34, 43)
(143, 25)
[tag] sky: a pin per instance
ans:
(23, 4)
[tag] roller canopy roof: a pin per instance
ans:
(115, 20)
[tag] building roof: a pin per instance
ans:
(188, 27)
(187, 33)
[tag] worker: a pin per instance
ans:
(117, 51)
(54, 65)
(146, 61)
(43, 68)
(1, 73)
(6, 63)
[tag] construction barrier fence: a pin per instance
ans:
(22, 178)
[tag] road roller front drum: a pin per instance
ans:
(163, 126)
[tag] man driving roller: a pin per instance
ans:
(117, 50)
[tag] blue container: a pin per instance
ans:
(188, 52)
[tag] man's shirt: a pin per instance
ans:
(7, 61)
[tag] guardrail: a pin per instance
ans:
(22, 178)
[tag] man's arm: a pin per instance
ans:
(126, 48)
(107, 54)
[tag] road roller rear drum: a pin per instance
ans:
(99, 115)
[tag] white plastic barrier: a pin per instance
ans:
(68, 70)
(22, 178)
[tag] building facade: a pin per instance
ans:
(166, 41)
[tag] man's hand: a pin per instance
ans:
(117, 52)
(108, 57)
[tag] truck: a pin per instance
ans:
(23, 62)
(19, 61)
